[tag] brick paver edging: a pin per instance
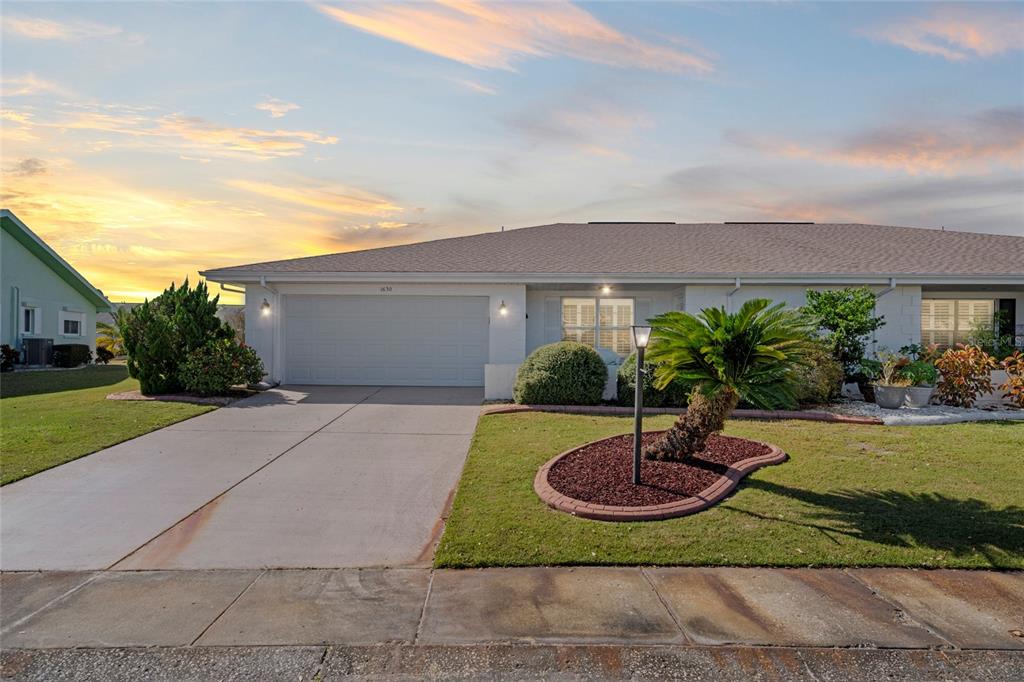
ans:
(615, 410)
(691, 505)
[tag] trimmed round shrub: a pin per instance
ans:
(103, 355)
(564, 373)
(217, 366)
(821, 381)
(677, 394)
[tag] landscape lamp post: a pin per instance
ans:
(641, 335)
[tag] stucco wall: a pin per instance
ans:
(39, 286)
(901, 306)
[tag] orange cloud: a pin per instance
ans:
(184, 133)
(496, 35)
(990, 139)
(330, 198)
(29, 84)
(277, 108)
(957, 34)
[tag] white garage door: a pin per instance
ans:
(386, 340)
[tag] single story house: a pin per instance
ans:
(43, 300)
(466, 311)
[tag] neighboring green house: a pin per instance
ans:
(43, 300)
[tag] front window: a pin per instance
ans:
(72, 328)
(949, 321)
(599, 322)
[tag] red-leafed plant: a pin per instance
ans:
(966, 373)
(1014, 386)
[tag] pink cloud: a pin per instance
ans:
(957, 33)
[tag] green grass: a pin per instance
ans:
(929, 496)
(48, 418)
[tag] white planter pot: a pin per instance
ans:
(919, 396)
(890, 397)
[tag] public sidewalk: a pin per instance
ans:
(556, 623)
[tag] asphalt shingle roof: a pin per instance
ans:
(683, 249)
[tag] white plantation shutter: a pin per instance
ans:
(947, 321)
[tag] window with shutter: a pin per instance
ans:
(947, 321)
(602, 323)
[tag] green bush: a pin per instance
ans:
(848, 318)
(103, 355)
(71, 355)
(214, 368)
(564, 373)
(821, 380)
(676, 395)
(160, 334)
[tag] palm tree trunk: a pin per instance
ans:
(704, 416)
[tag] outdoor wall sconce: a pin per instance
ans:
(606, 290)
(641, 337)
(503, 309)
(265, 308)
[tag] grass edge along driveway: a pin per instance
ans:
(850, 495)
(48, 418)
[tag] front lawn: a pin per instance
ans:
(929, 496)
(51, 417)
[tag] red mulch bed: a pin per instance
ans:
(602, 472)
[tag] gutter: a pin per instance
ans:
(801, 279)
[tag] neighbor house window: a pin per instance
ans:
(29, 316)
(599, 322)
(71, 324)
(948, 321)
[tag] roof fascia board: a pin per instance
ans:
(60, 267)
(598, 278)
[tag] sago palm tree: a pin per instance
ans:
(748, 355)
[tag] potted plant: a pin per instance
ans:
(867, 371)
(923, 377)
(891, 385)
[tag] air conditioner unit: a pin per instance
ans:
(37, 351)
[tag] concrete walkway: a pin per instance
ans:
(293, 477)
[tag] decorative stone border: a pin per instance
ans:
(615, 410)
(691, 505)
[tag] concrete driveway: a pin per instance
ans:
(296, 477)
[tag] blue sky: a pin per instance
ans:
(147, 141)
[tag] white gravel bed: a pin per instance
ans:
(932, 414)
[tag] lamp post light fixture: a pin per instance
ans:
(265, 308)
(641, 337)
(503, 309)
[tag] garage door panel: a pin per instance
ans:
(393, 340)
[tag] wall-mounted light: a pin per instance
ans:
(265, 308)
(503, 309)
(606, 290)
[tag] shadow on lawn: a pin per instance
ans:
(909, 519)
(27, 382)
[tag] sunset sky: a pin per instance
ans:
(148, 141)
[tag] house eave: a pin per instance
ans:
(256, 276)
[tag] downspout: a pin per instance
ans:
(15, 315)
(728, 296)
(887, 290)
